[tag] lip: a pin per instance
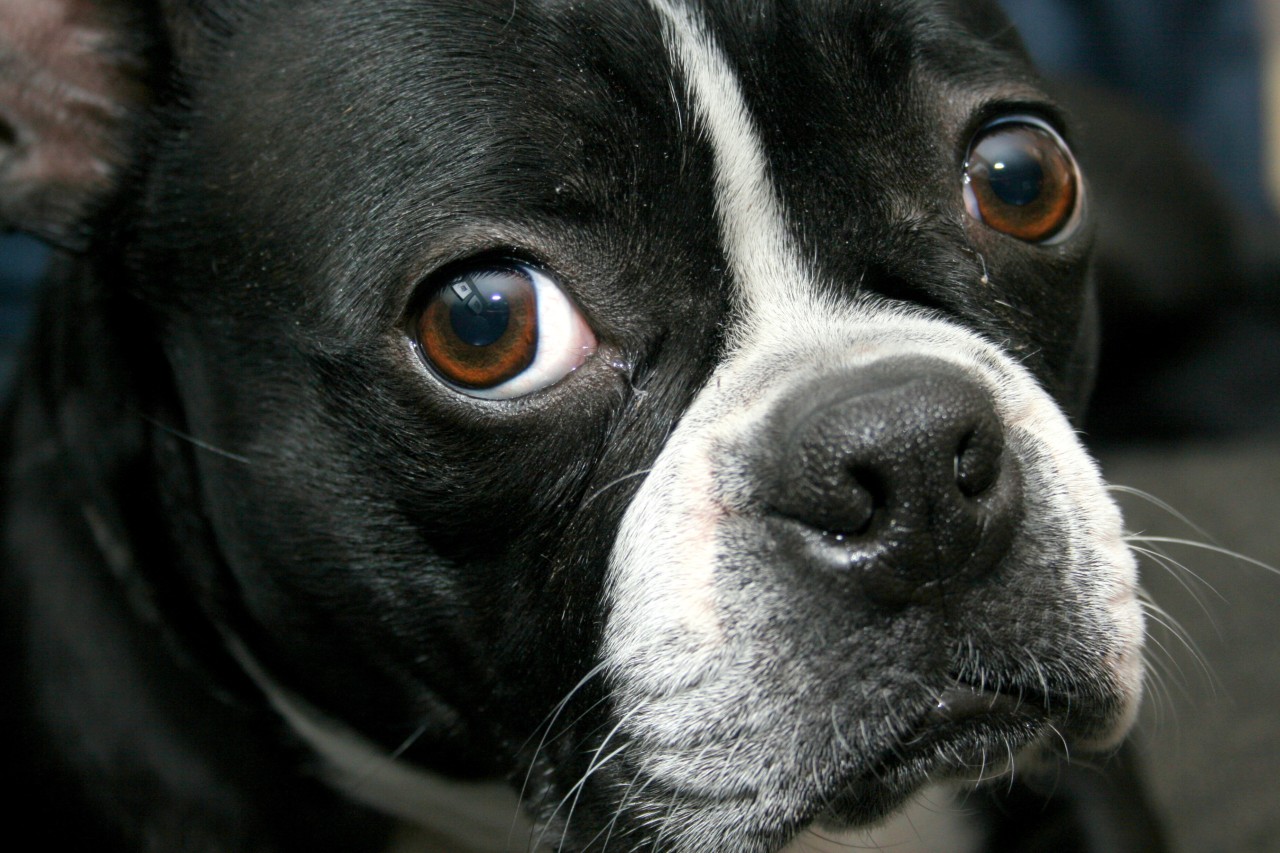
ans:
(962, 702)
(961, 734)
(968, 730)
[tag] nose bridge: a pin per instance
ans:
(898, 472)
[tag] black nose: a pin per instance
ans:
(899, 473)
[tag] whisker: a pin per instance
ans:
(196, 442)
(1179, 572)
(982, 766)
(1066, 746)
(1156, 686)
(375, 766)
(546, 726)
(1168, 663)
(592, 766)
(1205, 546)
(408, 742)
(578, 786)
(1163, 668)
(630, 793)
(609, 485)
(1159, 699)
(1166, 620)
(1160, 504)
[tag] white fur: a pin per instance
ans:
(765, 265)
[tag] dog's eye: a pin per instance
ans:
(1021, 180)
(502, 331)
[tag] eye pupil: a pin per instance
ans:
(1017, 179)
(481, 328)
(478, 320)
(498, 329)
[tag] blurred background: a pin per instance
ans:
(1177, 108)
(22, 261)
(1176, 133)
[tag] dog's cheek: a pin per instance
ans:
(316, 584)
(376, 538)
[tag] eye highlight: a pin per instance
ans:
(1021, 180)
(501, 330)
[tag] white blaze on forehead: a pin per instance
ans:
(665, 625)
(767, 271)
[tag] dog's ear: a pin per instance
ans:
(74, 80)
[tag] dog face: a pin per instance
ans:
(657, 404)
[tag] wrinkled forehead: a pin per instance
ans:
(821, 79)
(583, 132)
(548, 85)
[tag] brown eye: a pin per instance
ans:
(1021, 180)
(501, 331)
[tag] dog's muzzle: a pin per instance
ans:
(872, 554)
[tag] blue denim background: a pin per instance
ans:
(1196, 62)
(22, 262)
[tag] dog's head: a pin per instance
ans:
(658, 404)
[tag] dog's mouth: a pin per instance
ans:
(962, 703)
(970, 735)
(967, 719)
(966, 733)
(980, 621)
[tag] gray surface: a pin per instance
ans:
(1211, 731)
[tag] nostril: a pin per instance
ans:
(843, 507)
(8, 133)
(977, 461)
(894, 475)
(868, 496)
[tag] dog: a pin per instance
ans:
(598, 425)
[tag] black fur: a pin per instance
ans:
(220, 431)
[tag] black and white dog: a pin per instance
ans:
(657, 411)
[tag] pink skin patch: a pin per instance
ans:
(68, 92)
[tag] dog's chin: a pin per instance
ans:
(979, 748)
(968, 737)
(971, 737)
